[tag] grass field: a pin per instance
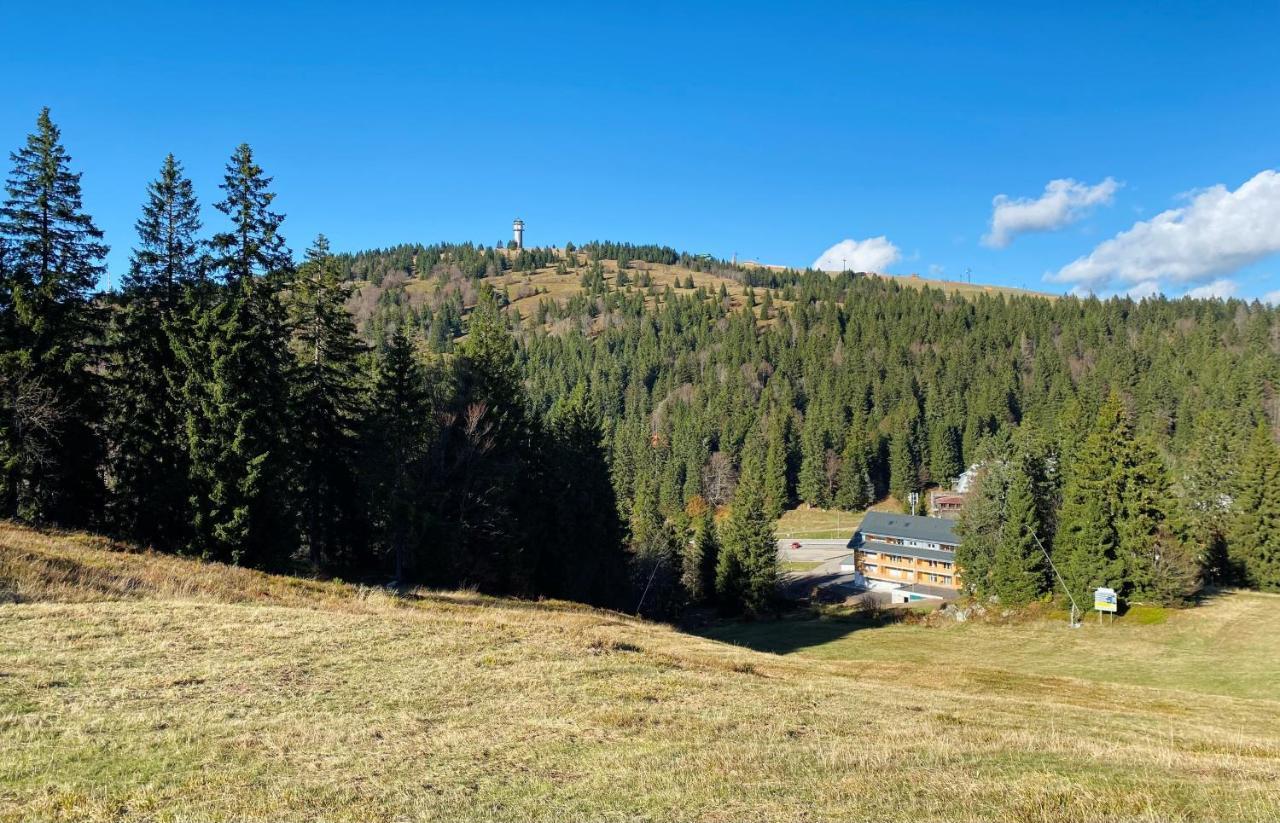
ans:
(137, 687)
(818, 524)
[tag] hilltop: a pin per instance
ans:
(136, 686)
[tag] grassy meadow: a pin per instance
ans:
(140, 687)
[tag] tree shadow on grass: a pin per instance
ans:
(799, 630)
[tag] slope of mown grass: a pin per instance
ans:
(138, 687)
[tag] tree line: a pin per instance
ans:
(223, 405)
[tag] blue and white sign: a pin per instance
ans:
(1104, 599)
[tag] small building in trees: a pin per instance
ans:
(906, 550)
(945, 503)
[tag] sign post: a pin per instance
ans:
(1104, 600)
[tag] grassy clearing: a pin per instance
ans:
(136, 687)
(798, 565)
(819, 524)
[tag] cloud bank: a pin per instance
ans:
(873, 254)
(1063, 203)
(1216, 233)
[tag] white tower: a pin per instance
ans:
(517, 232)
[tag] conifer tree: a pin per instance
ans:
(1086, 546)
(48, 394)
(982, 520)
(235, 399)
(236, 388)
(1144, 533)
(747, 572)
(1255, 531)
(903, 478)
(399, 433)
(855, 490)
(776, 497)
(253, 247)
(811, 484)
(147, 456)
(701, 558)
(1018, 568)
(326, 404)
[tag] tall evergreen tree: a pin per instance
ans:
(1255, 532)
(236, 388)
(399, 434)
(48, 394)
(855, 490)
(147, 458)
(235, 399)
(747, 572)
(1018, 568)
(327, 404)
(1086, 547)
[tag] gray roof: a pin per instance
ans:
(907, 551)
(910, 527)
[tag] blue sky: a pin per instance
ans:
(773, 131)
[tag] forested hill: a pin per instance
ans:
(851, 387)
(613, 423)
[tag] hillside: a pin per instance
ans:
(395, 277)
(147, 687)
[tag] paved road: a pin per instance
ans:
(811, 551)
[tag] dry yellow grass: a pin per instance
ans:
(138, 687)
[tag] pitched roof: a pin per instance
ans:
(909, 527)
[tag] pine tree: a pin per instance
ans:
(1018, 569)
(254, 246)
(147, 457)
(747, 573)
(811, 485)
(1255, 531)
(903, 477)
(855, 490)
(326, 404)
(701, 558)
(982, 520)
(1086, 546)
(236, 390)
(1144, 537)
(776, 497)
(398, 435)
(48, 394)
(235, 398)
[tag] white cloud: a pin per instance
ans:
(1272, 297)
(1147, 288)
(1063, 202)
(873, 254)
(1216, 233)
(1221, 288)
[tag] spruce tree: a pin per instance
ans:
(855, 490)
(326, 403)
(775, 465)
(1086, 546)
(1255, 531)
(1018, 568)
(147, 457)
(399, 434)
(747, 573)
(48, 393)
(236, 389)
(235, 400)
(253, 247)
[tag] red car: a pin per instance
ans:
(795, 545)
